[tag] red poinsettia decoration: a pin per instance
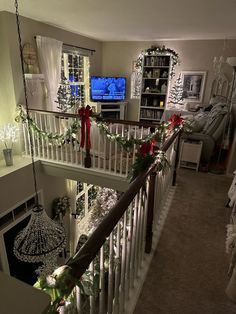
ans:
(175, 121)
(147, 149)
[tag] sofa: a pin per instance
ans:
(208, 126)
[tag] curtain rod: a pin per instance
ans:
(73, 46)
(88, 49)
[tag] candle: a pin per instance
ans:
(161, 103)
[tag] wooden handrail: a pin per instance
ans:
(73, 115)
(80, 262)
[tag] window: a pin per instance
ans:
(86, 196)
(74, 88)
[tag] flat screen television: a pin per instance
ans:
(104, 88)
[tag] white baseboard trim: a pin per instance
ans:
(138, 285)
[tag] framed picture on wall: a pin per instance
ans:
(193, 85)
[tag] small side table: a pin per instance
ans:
(190, 154)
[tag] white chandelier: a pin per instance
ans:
(41, 239)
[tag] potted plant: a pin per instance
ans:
(8, 135)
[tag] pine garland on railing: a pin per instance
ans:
(146, 154)
(124, 141)
(54, 138)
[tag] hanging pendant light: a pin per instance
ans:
(42, 239)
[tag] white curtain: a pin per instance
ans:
(49, 55)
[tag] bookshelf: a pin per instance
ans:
(155, 82)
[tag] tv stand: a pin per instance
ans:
(114, 110)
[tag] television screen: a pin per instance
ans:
(107, 88)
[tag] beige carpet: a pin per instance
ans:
(188, 271)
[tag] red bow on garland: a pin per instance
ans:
(85, 114)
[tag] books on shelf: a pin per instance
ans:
(154, 92)
(150, 114)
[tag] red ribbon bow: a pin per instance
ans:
(85, 114)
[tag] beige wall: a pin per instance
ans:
(19, 185)
(7, 96)
(194, 55)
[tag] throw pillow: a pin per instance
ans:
(199, 122)
(214, 117)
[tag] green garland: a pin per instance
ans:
(58, 139)
(143, 159)
(128, 143)
(54, 138)
(159, 50)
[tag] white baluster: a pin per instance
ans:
(55, 131)
(36, 136)
(144, 219)
(110, 275)
(65, 123)
(133, 236)
(61, 132)
(115, 157)
(46, 141)
(78, 299)
(25, 132)
(136, 237)
(140, 209)
(134, 147)
(127, 154)
(102, 283)
(92, 297)
(99, 148)
(123, 265)
(93, 130)
(128, 257)
(117, 269)
(110, 146)
(42, 139)
(104, 151)
(121, 150)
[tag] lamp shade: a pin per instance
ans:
(231, 61)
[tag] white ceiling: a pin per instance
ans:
(135, 20)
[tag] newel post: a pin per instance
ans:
(87, 159)
(176, 159)
(150, 210)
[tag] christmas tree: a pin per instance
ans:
(176, 93)
(65, 99)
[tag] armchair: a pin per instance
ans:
(208, 127)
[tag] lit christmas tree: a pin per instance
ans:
(66, 101)
(176, 93)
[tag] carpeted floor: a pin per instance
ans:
(188, 274)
